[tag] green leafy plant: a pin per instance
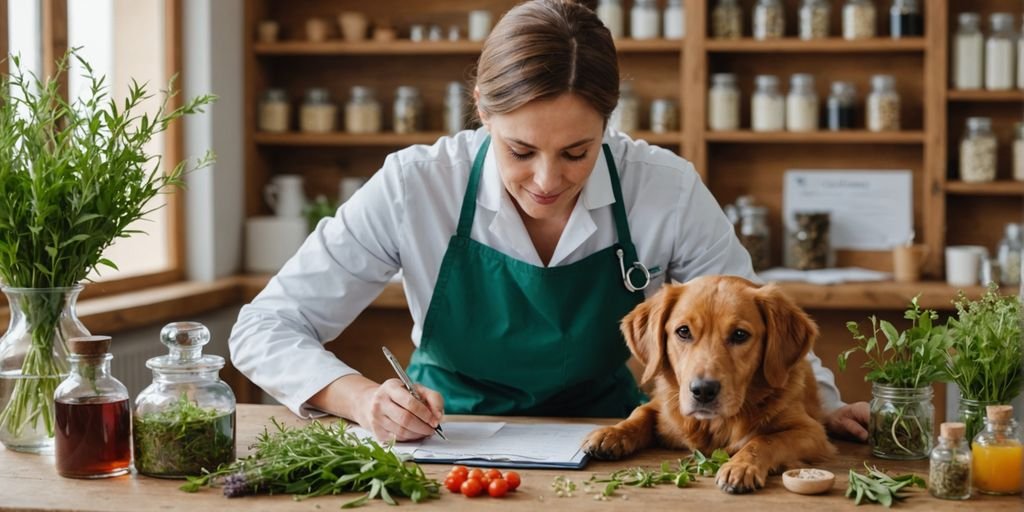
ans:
(318, 460)
(183, 439)
(318, 209)
(987, 356)
(907, 360)
(875, 486)
(681, 474)
(74, 175)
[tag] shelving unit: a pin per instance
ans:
(831, 45)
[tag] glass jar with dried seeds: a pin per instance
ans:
(810, 243)
(408, 111)
(883, 104)
(727, 20)
(978, 151)
(769, 20)
(949, 475)
(814, 19)
(859, 19)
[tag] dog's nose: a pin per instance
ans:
(705, 391)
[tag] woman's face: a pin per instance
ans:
(546, 150)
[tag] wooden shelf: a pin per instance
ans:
(668, 138)
(985, 96)
(995, 188)
(818, 137)
(341, 139)
(831, 45)
(407, 47)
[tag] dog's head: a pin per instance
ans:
(716, 337)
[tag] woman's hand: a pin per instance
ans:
(849, 421)
(390, 412)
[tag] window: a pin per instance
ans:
(122, 40)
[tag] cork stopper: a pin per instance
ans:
(952, 431)
(999, 413)
(87, 346)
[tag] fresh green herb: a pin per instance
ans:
(319, 208)
(317, 460)
(878, 487)
(563, 487)
(74, 176)
(681, 474)
(987, 357)
(183, 440)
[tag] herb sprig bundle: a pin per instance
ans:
(685, 471)
(318, 460)
(878, 487)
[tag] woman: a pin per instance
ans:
(522, 244)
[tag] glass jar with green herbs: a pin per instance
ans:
(900, 425)
(949, 475)
(184, 422)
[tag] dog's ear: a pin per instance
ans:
(644, 329)
(789, 334)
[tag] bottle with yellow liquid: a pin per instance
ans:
(998, 453)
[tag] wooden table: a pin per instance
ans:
(29, 482)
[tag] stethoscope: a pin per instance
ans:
(626, 273)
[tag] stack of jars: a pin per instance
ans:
(799, 110)
(994, 62)
(664, 113)
(859, 19)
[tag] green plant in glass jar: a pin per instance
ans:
(74, 176)
(986, 359)
(902, 367)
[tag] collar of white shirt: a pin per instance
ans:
(507, 224)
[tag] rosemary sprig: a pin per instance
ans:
(878, 487)
(685, 471)
(318, 460)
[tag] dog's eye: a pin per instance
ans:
(684, 333)
(739, 336)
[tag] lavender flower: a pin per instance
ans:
(237, 485)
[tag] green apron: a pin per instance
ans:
(505, 337)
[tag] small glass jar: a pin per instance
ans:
(802, 104)
(626, 116)
(968, 52)
(723, 103)
(644, 19)
(611, 14)
(972, 413)
(480, 21)
(900, 422)
(93, 417)
(859, 19)
(755, 235)
(362, 112)
(727, 20)
(274, 111)
(318, 113)
(184, 422)
(999, 50)
(842, 105)
(1008, 254)
(769, 20)
(768, 108)
(1020, 58)
(664, 116)
(674, 20)
(949, 471)
(814, 18)
(998, 453)
(978, 151)
(1018, 151)
(408, 112)
(883, 104)
(455, 108)
(810, 241)
(905, 19)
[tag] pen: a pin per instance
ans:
(408, 384)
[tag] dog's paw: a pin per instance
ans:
(740, 477)
(610, 443)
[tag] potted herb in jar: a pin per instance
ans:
(902, 367)
(74, 176)
(986, 360)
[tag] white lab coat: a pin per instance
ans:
(403, 219)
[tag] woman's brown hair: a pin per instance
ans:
(542, 49)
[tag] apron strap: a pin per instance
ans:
(619, 209)
(469, 200)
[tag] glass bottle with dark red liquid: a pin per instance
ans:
(94, 420)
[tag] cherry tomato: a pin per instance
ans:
(472, 487)
(476, 473)
(459, 470)
(493, 474)
(498, 488)
(453, 483)
(513, 480)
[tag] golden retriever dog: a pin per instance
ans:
(727, 360)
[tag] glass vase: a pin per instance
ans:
(33, 362)
(972, 415)
(900, 426)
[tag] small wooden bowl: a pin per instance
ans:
(808, 486)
